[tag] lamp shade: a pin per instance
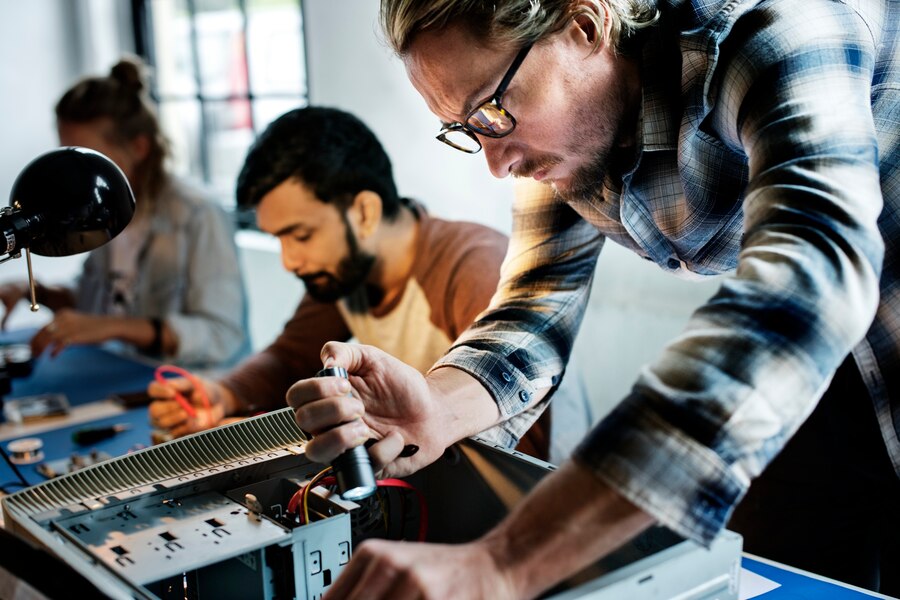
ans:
(67, 201)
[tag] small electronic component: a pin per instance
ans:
(35, 408)
(62, 466)
(26, 451)
(254, 506)
(17, 359)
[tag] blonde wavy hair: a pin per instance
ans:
(516, 22)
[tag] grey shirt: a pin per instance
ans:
(186, 273)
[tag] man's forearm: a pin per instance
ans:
(469, 407)
(570, 520)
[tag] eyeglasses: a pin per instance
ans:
(488, 118)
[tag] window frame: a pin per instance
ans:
(142, 24)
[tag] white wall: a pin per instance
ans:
(36, 45)
(273, 292)
(635, 308)
(45, 46)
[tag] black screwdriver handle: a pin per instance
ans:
(92, 435)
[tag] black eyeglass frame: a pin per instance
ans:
(493, 100)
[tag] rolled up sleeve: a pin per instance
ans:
(519, 346)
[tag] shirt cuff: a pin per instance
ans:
(508, 433)
(510, 388)
(685, 485)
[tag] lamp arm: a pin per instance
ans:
(31, 287)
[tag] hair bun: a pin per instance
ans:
(130, 73)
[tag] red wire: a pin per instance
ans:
(159, 375)
(423, 507)
(295, 499)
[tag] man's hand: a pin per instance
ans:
(391, 402)
(167, 414)
(71, 327)
(390, 570)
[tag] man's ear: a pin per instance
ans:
(365, 213)
(591, 24)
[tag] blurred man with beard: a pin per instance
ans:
(376, 267)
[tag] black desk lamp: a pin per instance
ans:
(64, 202)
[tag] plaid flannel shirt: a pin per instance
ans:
(769, 140)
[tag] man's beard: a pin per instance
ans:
(351, 274)
(587, 181)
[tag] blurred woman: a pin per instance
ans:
(169, 285)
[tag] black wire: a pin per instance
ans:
(13, 466)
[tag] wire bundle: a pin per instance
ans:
(299, 502)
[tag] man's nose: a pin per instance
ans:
(291, 257)
(499, 158)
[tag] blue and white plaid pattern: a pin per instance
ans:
(770, 134)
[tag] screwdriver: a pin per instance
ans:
(92, 435)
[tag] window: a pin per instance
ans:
(223, 69)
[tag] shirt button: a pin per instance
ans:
(506, 377)
(674, 263)
(524, 396)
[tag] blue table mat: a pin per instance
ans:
(58, 443)
(83, 373)
(796, 586)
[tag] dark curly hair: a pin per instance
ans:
(329, 150)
